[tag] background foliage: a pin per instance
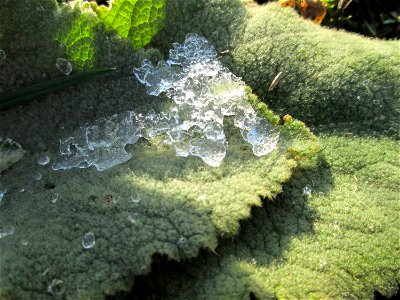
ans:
(374, 18)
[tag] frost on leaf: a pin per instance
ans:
(204, 92)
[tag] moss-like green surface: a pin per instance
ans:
(339, 242)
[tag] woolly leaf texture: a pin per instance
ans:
(344, 234)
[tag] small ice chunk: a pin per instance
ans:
(64, 66)
(195, 49)
(10, 153)
(101, 144)
(157, 79)
(262, 136)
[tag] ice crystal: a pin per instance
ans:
(203, 91)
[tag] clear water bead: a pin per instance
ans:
(134, 217)
(21, 190)
(135, 197)
(55, 287)
(2, 54)
(64, 66)
(323, 263)
(2, 193)
(88, 240)
(307, 190)
(43, 160)
(182, 241)
(6, 230)
(53, 197)
(37, 176)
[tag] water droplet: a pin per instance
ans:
(55, 287)
(375, 102)
(6, 230)
(254, 261)
(37, 176)
(64, 66)
(43, 160)
(323, 263)
(135, 196)
(2, 54)
(336, 224)
(2, 193)
(53, 197)
(134, 217)
(307, 190)
(24, 242)
(182, 241)
(21, 190)
(358, 97)
(88, 240)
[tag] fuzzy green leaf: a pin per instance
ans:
(339, 242)
(77, 35)
(137, 20)
(329, 76)
(186, 206)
